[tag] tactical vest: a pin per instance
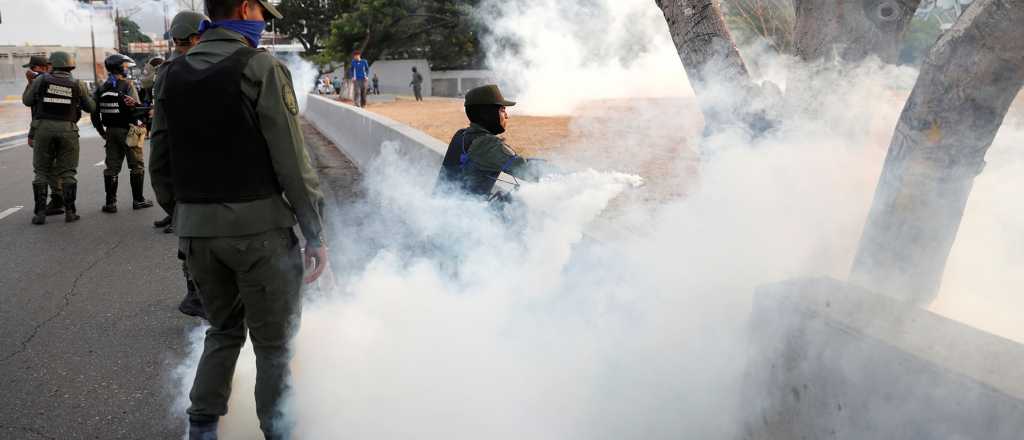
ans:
(218, 153)
(113, 110)
(59, 98)
(459, 170)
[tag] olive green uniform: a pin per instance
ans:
(55, 143)
(244, 256)
(53, 182)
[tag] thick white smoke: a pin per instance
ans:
(554, 55)
(54, 23)
(452, 321)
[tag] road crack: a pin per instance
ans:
(68, 296)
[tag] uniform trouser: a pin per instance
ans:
(359, 94)
(55, 156)
(55, 186)
(118, 151)
(249, 282)
(418, 91)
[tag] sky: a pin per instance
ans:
(65, 22)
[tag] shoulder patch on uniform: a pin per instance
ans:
(288, 93)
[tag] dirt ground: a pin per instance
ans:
(612, 135)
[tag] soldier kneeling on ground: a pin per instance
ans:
(476, 156)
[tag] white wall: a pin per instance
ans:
(395, 75)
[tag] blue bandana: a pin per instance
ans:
(112, 79)
(252, 30)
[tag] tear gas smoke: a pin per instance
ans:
(304, 75)
(53, 23)
(554, 55)
(455, 322)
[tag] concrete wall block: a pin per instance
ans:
(359, 133)
(834, 361)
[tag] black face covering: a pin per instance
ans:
(485, 116)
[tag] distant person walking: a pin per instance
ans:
(336, 83)
(417, 84)
(360, 71)
(376, 84)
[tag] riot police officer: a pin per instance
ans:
(113, 119)
(58, 100)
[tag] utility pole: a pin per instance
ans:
(92, 37)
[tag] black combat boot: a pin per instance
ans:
(70, 194)
(138, 201)
(163, 223)
(56, 205)
(39, 194)
(191, 305)
(110, 186)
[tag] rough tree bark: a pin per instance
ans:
(966, 85)
(851, 29)
(714, 66)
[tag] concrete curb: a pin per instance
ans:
(359, 133)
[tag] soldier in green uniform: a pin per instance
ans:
(58, 100)
(38, 65)
(228, 149)
(185, 33)
(476, 156)
(117, 101)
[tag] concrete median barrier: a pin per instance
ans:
(833, 361)
(359, 134)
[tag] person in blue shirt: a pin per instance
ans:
(359, 71)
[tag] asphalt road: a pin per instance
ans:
(89, 327)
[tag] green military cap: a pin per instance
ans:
(185, 24)
(271, 9)
(62, 60)
(487, 95)
(37, 61)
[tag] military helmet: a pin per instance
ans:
(116, 63)
(186, 24)
(62, 60)
(487, 95)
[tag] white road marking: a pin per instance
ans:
(100, 163)
(12, 147)
(10, 211)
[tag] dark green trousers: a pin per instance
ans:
(245, 283)
(55, 156)
(118, 152)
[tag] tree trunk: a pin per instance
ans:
(851, 29)
(714, 66)
(965, 88)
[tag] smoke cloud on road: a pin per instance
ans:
(581, 312)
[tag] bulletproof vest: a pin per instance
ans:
(457, 168)
(218, 153)
(113, 111)
(59, 99)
